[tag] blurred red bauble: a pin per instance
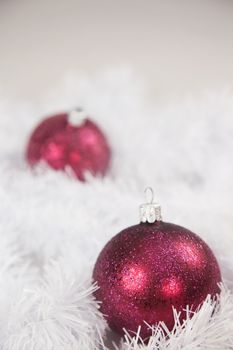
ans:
(147, 269)
(70, 140)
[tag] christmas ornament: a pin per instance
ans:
(147, 269)
(70, 140)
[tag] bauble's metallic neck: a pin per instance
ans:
(150, 211)
(77, 116)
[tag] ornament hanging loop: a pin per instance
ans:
(149, 192)
(150, 211)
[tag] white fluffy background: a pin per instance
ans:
(52, 227)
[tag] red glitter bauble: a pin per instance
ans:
(59, 142)
(147, 269)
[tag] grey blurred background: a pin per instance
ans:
(178, 47)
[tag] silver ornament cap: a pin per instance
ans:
(77, 116)
(150, 211)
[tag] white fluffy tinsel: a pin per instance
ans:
(52, 227)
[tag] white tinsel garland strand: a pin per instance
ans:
(58, 313)
(16, 274)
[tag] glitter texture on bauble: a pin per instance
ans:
(70, 141)
(147, 269)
